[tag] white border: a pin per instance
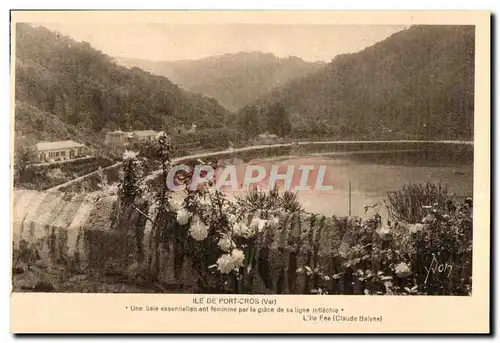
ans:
(144, 4)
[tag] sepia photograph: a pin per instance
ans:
(239, 158)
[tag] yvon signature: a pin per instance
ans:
(437, 267)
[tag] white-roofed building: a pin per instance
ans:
(267, 138)
(117, 138)
(59, 150)
(145, 135)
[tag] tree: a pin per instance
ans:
(139, 125)
(23, 156)
(249, 122)
(131, 178)
(85, 88)
(278, 120)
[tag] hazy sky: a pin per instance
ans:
(170, 42)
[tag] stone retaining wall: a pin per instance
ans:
(84, 234)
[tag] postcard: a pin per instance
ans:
(250, 171)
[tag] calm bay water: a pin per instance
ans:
(372, 174)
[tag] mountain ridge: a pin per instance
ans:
(418, 82)
(86, 89)
(234, 79)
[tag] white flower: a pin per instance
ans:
(130, 155)
(402, 270)
(239, 257)
(242, 230)
(225, 264)
(232, 218)
(226, 244)
(177, 204)
(229, 262)
(198, 229)
(205, 201)
(384, 233)
(258, 223)
(160, 134)
(274, 221)
(183, 216)
(416, 227)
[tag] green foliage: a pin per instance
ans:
(164, 157)
(29, 175)
(234, 244)
(429, 258)
(257, 201)
(417, 83)
(250, 121)
(445, 248)
(234, 80)
(409, 203)
(278, 120)
(217, 138)
(131, 177)
(42, 177)
(254, 200)
(23, 156)
(35, 125)
(253, 120)
(289, 202)
(88, 90)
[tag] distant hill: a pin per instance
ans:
(234, 80)
(416, 83)
(66, 89)
(36, 125)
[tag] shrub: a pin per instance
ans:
(56, 173)
(428, 250)
(432, 257)
(442, 250)
(255, 200)
(409, 203)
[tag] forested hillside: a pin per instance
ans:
(83, 90)
(235, 80)
(418, 83)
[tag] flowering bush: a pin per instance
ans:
(408, 204)
(130, 176)
(228, 263)
(198, 230)
(183, 216)
(431, 257)
(228, 242)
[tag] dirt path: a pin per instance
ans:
(80, 178)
